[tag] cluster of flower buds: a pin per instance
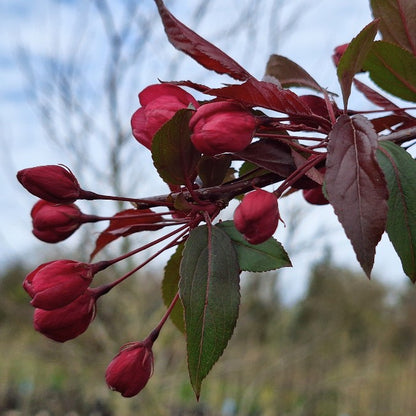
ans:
(61, 290)
(217, 127)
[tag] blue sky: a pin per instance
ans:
(38, 27)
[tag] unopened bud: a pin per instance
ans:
(54, 222)
(68, 322)
(159, 103)
(257, 216)
(131, 369)
(222, 127)
(53, 183)
(55, 284)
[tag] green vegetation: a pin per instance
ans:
(346, 348)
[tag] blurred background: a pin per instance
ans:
(317, 339)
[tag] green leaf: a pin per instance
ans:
(400, 172)
(210, 293)
(263, 257)
(353, 58)
(397, 21)
(174, 155)
(393, 69)
(170, 286)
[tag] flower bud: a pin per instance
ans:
(131, 369)
(257, 216)
(53, 223)
(159, 103)
(222, 127)
(315, 196)
(68, 322)
(57, 283)
(53, 183)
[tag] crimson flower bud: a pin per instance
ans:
(338, 52)
(159, 103)
(257, 216)
(222, 127)
(53, 223)
(131, 369)
(57, 283)
(53, 183)
(315, 196)
(68, 322)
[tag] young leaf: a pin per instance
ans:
(170, 286)
(263, 257)
(397, 21)
(174, 155)
(400, 172)
(202, 51)
(393, 69)
(213, 170)
(271, 155)
(353, 58)
(125, 223)
(289, 73)
(355, 185)
(210, 292)
(256, 93)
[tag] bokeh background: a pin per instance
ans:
(317, 339)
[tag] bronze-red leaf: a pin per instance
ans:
(356, 186)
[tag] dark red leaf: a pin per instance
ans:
(270, 155)
(356, 186)
(391, 120)
(256, 93)
(125, 223)
(289, 73)
(202, 51)
(375, 97)
(276, 157)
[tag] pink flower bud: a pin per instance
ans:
(315, 196)
(131, 369)
(57, 283)
(68, 322)
(257, 216)
(159, 103)
(53, 183)
(53, 222)
(222, 127)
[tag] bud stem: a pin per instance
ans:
(101, 290)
